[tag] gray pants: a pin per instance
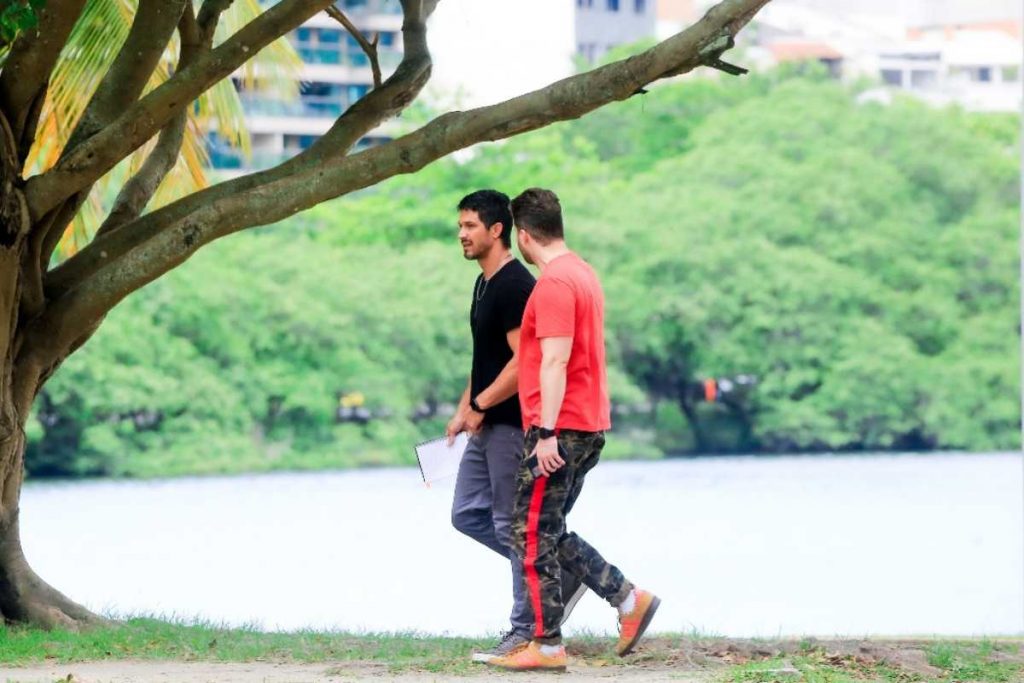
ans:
(484, 492)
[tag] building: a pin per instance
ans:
(978, 68)
(943, 52)
(335, 74)
(601, 25)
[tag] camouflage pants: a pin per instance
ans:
(540, 538)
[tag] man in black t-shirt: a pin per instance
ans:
(489, 407)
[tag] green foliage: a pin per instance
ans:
(17, 16)
(860, 260)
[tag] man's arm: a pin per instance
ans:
(504, 386)
(555, 352)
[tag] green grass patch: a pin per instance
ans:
(980, 661)
(949, 661)
(153, 639)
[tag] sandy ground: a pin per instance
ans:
(267, 672)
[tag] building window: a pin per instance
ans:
(923, 79)
(357, 92)
(984, 74)
(640, 6)
(613, 5)
(1011, 74)
(892, 77)
(296, 143)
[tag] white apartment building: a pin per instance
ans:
(335, 74)
(967, 52)
(980, 69)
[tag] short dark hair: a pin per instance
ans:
(492, 207)
(539, 212)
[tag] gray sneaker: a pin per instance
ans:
(510, 641)
(575, 591)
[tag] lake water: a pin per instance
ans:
(882, 545)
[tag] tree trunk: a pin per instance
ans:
(24, 597)
(700, 439)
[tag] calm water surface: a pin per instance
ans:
(735, 546)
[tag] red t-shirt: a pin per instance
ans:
(566, 302)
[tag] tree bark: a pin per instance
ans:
(699, 437)
(24, 597)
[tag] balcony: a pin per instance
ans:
(359, 7)
(312, 106)
(364, 7)
(344, 55)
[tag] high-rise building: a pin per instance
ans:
(335, 74)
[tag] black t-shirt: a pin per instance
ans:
(496, 309)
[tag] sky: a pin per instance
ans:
(486, 51)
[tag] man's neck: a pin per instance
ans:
(494, 260)
(549, 252)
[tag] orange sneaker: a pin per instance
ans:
(529, 657)
(633, 625)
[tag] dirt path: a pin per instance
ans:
(686, 660)
(268, 672)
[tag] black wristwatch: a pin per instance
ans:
(545, 433)
(475, 406)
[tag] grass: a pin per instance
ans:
(155, 639)
(729, 660)
(981, 661)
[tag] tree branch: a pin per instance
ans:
(570, 98)
(209, 16)
(28, 66)
(393, 96)
(370, 48)
(149, 115)
(139, 190)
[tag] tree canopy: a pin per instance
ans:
(861, 263)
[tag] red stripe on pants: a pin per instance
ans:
(530, 562)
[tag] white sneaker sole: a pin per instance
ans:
(482, 657)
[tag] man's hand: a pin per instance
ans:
(455, 425)
(474, 421)
(548, 459)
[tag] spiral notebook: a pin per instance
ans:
(438, 460)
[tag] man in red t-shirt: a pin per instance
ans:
(563, 395)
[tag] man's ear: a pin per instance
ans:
(497, 230)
